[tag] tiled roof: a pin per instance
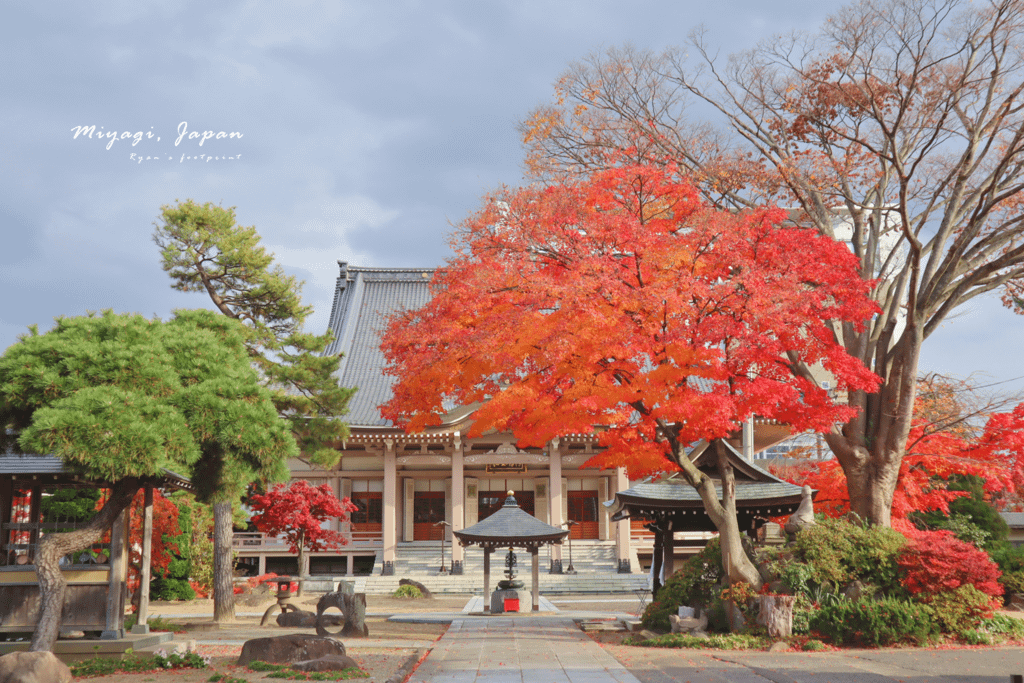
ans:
(363, 300)
(1015, 520)
(13, 463)
(511, 525)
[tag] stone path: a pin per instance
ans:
(519, 650)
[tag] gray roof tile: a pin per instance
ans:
(363, 300)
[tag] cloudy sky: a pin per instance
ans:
(367, 129)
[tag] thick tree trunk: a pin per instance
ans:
(223, 586)
(777, 615)
(54, 546)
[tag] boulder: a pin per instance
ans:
(779, 646)
(328, 663)
(688, 624)
(804, 515)
(304, 619)
(353, 614)
(33, 667)
(423, 589)
(294, 647)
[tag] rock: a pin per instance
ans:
(423, 589)
(778, 587)
(33, 667)
(353, 614)
(631, 625)
(649, 635)
(328, 663)
(779, 646)
(854, 590)
(304, 619)
(804, 515)
(688, 624)
(294, 647)
(699, 634)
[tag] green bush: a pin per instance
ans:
(1004, 625)
(960, 610)
(875, 622)
(695, 584)
(715, 641)
(840, 551)
(171, 589)
(813, 645)
(407, 592)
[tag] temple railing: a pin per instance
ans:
(255, 541)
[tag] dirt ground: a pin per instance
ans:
(379, 662)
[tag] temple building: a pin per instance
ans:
(413, 489)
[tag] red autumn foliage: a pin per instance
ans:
(621, 304)
(297, 512)
(936, 562)
(165, 530)
(996, 456)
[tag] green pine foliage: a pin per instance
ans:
(203, 249)
(120, 396)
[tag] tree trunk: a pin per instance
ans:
(302, 561)
(223, 586)
(777, 614)
(54, 546)
(736, 564)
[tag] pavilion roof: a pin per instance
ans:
(510, 526)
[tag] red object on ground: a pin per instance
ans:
(294, 586)
(511, 604)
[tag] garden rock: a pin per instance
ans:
(328, 663)
(779, 646)
(416, 584)
(33, 667)
(854, 590)
(804, 515)
(688, 624)
(294, 647)
(353, 614)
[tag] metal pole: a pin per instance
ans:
(442, 524)
(570, 524)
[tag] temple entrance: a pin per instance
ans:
(427, 511)
(583, 509)
(369, 517)
(490, 502)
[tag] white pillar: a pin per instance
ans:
(623, 534)
(458, 502)
(390, 522)
(555, 500)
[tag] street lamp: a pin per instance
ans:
(570, 524)
(442, 524)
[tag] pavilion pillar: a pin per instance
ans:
(535, 575)
(458, 502)
(657, 558)
(141, 625)
(622, 528)
(487, 578)
(390, 521)
(670, 551)
(118, 573)
(555, 501)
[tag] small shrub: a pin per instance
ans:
(407, 592)
(1004, 625)
(695, 584)
(840, 551)
(257, 665)
(961, 609)
(876, 622)
(813, 645)
(715, 641)
(803, 609)
(974, 637)
(937, 562)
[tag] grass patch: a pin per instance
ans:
(714, 641)
(132, 663)
(282, 671)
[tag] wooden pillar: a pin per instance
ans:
(535, 575)
(458, 503)
(390, 517)
(657, 558)
(487, 578)
(555, 500)
(350, 565)
(34, 517)
(6, 508)
(263, 564)
(670, 551)
(118, 573)
(147, 561)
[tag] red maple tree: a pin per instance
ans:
(622, 305)
(297, 513)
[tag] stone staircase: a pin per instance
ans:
(594, 562)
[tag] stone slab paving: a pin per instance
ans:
(519, 650)
(862, 666)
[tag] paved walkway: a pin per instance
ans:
(519, 650)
